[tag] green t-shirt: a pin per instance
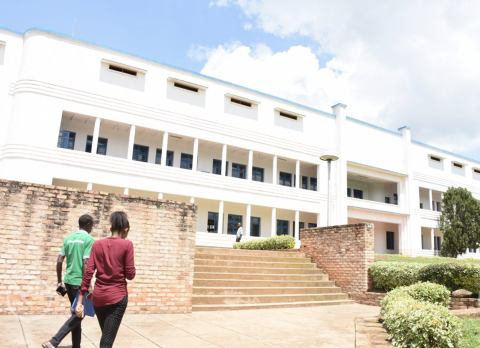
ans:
(76, 247)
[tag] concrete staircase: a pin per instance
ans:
(246, 279)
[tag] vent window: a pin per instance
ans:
(241, 102)
(188, 88)
(458, 165)
(436, 159)
(291, 117)
(476, 171)
(122, 70)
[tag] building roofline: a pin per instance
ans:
(372, 125)
(377, 168)
(445, 151)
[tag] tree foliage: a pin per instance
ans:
(459, 222)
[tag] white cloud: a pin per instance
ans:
(248, 26)
(412, 63)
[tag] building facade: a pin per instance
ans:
(76, 114)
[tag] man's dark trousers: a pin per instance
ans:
(73, 324)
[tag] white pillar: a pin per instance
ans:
(318, 177)
(126, 191)
(96, 132)
(319, 218)
(220, 218)
(274, 171)
(192, 200)
(131, 141)
(250, 165)
(273, 232)
(224, 160)
(160, 195)
(339, 170)
(89, 186)
(430, 199)
(195, 155)
(163, 161)
(432, 238)
(297, 226)
(246, 225)
(297, 175)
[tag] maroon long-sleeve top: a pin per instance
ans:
(113, 260)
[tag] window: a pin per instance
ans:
(241, 102)
(390, 241)
(357, 194)
(122, 70)
(476, 171)
(158, 158)
(285, 179)
(458, 165)
(436, 159)
(469, 249)
(311, 225)
(395, 199)
(257, 174)
(66, 140)
(313, 184)
(140, 153)
(239, 170)
(188, 88)
(349, 192)
(387, 200)
(233, 220)
(300, 226)
(217, 167)
(438, 243)
(186, 161)
(439, 206)
(212, 222)
(291, 117)
(282, 227)
(305, 182)
(421, 205)
(255, 226)
(101, 146)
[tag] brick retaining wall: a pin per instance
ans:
(35, 219)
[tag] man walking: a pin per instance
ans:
(239, 232)
(76, 248)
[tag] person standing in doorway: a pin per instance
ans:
(112, 258)
(239, 232)
(76, 248)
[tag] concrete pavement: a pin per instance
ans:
(322, 327)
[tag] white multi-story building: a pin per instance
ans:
(241, 155)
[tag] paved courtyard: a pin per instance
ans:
(324, 327)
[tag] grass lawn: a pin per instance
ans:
(471, 332)
(424, 260)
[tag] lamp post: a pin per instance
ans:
(329, 159)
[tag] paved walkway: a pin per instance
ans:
(319, 327)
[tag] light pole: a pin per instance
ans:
(329, 159)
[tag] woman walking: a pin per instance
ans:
(112, 258)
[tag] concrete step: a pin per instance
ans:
(281, 298)
(263, 290)
(259, 276)
(252, 270)
(224, 307)
(261, 283)
(269, 253)
(237, 263)
(256, 258)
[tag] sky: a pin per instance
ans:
(394, 63)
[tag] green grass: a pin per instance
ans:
(424, 260)
(471, 332)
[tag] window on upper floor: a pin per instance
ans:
(358, 194)
(387, 200)
(101, 146)
(390, 241)
(241, 102)
(140, 153)
(305, 182)
(186, 161)
(476, 174)
(158, 158)
(257, 174)
(122, 70)
(457, 165)
(217, 167)
(186, 87)
(395, 199)
(313, 184)
(285, 179)
(239, 170)
(66, 140)
(289, 116)
(349, 192)
(435, 159)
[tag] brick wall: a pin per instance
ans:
(344, 252)
(35, 219)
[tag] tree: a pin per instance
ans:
(459, 222)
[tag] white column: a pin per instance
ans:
(163, 162)
(274, 171)
(131, 141)
(89, 186)
(432, 238)
(126, 191)
(273, 232)
(250, 165)
(339, 169)
(220, 218)
(246, 225)
(160, 195)
(430, 199)
(318, 179)
(96, 132)
(297, 226)
(297, 175)
(224, 160)
(195, 155)
(192, 200)
(319, 218)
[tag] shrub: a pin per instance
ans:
(453, 275)
(272, 243)
(389, 275)
(418, 317)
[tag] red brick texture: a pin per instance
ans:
(35, 219)
(343, 252)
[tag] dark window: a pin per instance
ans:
(158, 158)
(395, 199)
(282, 227)
(438, 244)
(436, 159)
(470, 250)
(140, 153)
(257, 174)
(123, 70)
(313, 184)
(458, 165)
(304, 182)
(212, 222)
(233, 221)
(255, 226)
(66, 140)
(101, 146)
(217, 167)
(421, 205)
(477, 171)
(285, 179)
(188, 88)
(311, 225)
(357, 194)
(387, 200)
(186, 161)
(301, 225)
(390, 241)
(239, 170)
(291, 117)
(349, 192)
(241, 102)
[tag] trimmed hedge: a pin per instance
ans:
(272, 243)
(389, 275)
(418, 317)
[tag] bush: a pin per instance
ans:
(418, 317)
(389, 275)
(453, 275)
(272, 243)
